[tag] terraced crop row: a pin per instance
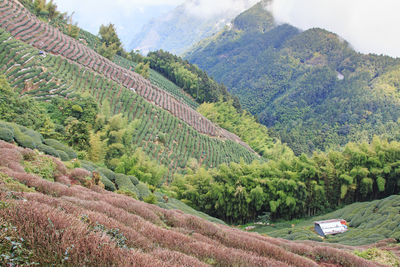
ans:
(24, 26)
(160, 81)
(84, 37)
(165, 138)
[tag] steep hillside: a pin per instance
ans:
(310, 88)
(63, 66)
(48, 218)
(187, 24)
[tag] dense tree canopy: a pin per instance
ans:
(297, 187)
(311, 89)
(189, 77)
(246, 127)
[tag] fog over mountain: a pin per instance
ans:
(187, 24)
(128, 15)
(369, 25)
(176, 24)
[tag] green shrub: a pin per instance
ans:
(43, 166)
(37, 137)
(108, 185)
(124, 183)
(82, 155)
(63, 156)
(48, 150)
(143, 190)
(378, 255)
(24, 140)
(133, 179)
(108, 173)
(6, 134)
(127, 193)
(14, 185)
(59, 146)
(7, 126)
(14, 250)
(90, 166)
(151, 199)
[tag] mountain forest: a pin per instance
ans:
(310, 88)
(223, 157)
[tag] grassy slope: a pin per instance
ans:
(369, 222)
(62, 222)
(289, 80)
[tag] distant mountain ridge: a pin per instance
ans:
(184, 26)
(309, 87)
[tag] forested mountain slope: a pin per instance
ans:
(310, 88)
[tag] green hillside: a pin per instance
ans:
(368, 222)
(105, 161)
(311, 89)
(62, 216)
(169, 131)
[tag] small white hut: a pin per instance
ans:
(330, 227)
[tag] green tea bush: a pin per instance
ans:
(108, 185)
(133, 179)
(24, 140)
(6, 134)
(124, 183)
(89, 166)
(369, 223)
(151, 199)
(7, 126)
(37, 137)
(63, 156)
(107, 173)
(143, 190)
(48, 150)
(127, 193)
(59, 146)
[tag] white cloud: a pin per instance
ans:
(127, 15)
(209, 8)
(370, 26)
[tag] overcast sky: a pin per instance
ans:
(371, 26)
(128, 15)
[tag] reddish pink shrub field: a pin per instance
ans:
(72, 225)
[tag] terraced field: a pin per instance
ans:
(160, 81)
(164, 137)
(15, 19)
(368, 222)
(63, 223)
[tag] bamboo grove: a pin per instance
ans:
(297, 187)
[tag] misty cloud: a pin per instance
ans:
(210, 8)
(127, 15)
(370, 26)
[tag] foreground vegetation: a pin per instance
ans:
(56, 217)
(113, 141)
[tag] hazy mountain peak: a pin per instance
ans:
(187, 24)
